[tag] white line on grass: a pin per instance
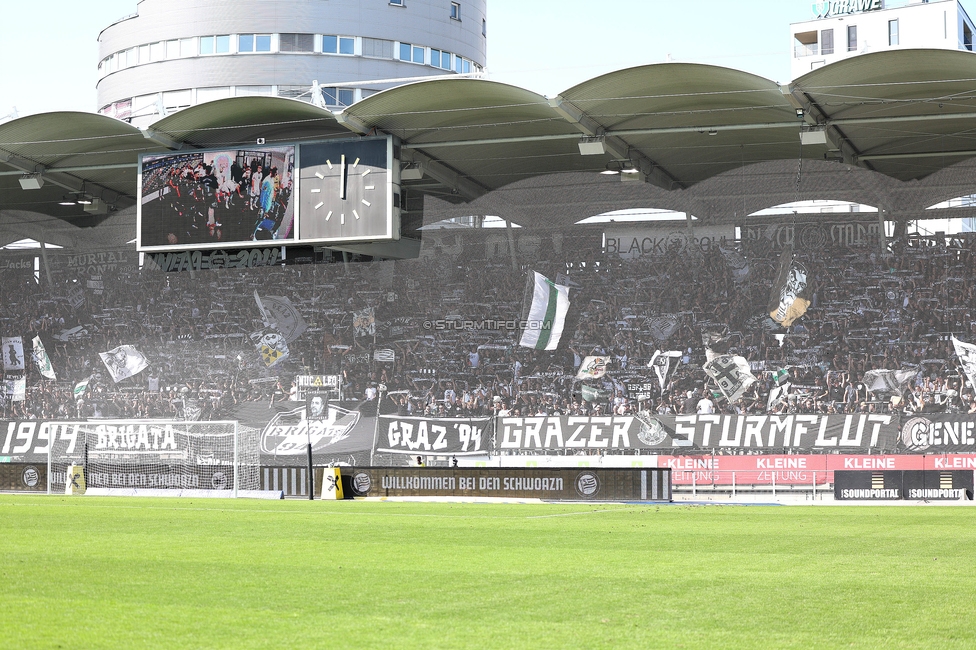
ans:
(584, 512)
(354, 513)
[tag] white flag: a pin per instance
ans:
(661, 362)
(13, 353)
(732, 374)
(279, 312)
(967, 358)
(42, 360)
(123, 362)
(384, 355)
(592, 368)
(546, 316)
(889, 381)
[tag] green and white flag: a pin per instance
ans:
(81, 387)
(546, 317)
(592, 394)
(781, 376)
(42, 360)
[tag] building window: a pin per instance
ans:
(396, 3)
(252, 91)
(157, 51)
(254, 43)
(827, 41)
(456, 11)
(440, 59)
(852, 38)
(484, 27)
(338, 44)
(378, 47)
(296, 42)
(805, 44)
(412, 53)
(188, 47)
(214, 44)
(338, 96)
(967, 37)
(893, 32)
(172, 49)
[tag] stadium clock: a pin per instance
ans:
(346, 192)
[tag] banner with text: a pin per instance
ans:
(689, 432)
(631, 243)
(458, 437)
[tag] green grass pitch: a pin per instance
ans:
(127, 573)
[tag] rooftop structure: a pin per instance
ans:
(846, 28)
(168, 56)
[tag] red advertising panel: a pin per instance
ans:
(797, 469)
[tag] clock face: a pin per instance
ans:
(345, 190)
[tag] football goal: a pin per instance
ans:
(152, 457)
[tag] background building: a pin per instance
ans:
(846, 28)
(169, 56)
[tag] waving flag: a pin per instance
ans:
(732, 375)
(271, 345)
(124, 362)
(546, 315)
(791, 291)
(889, 381)
(662, 363)
(278, 311)
(967, 358)
(81, 387)
(592, 368)
(42, 360)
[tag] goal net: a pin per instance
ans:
(221, 458)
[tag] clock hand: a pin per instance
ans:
(342, 178)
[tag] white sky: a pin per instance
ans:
(50, 50)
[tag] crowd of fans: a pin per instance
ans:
(448, 318)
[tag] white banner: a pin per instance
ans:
(633, 242)
(13, 353)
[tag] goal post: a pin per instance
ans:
(157, 457)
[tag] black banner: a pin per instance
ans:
(458, 437)
(689, 432)
(887, 485)
(557, 484)
(810, 235)
(343, 436)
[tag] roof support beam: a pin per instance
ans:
(968, 153)
(401, 249)
(28, 166)
(458, 183)
(622, 133)
(81, 168)
(814, 115)
(616, 146)
(354, 124)
(162, 139)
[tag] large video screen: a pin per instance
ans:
(217, 198)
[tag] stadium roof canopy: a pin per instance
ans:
(892, 129)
